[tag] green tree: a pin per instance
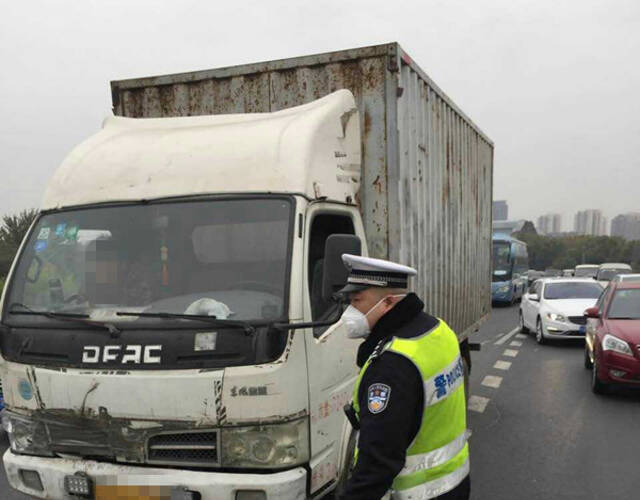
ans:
(567, 252)
(12, 231)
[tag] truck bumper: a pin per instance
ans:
(288, 485)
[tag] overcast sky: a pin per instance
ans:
(555, 84)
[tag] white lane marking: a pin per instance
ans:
(512, 353)
(502, 365)
(477, 403)
(492, 381)
(521, 336)
(516, 343)
(507, 336)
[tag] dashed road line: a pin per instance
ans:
(516, 343)
(477, 403)
(512, 353)
(492, 381)
(507, 336)
(502, 365)
(521, 336)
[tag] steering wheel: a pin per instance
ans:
(76, 297)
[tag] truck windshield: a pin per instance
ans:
(217, 257)
(502, 262)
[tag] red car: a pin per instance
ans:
(612, 346)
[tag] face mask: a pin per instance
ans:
(356, 322)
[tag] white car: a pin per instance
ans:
(554, 307)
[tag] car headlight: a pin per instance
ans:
(266, 446)
(556, 317)
(611, 343)
(26, 436)
(504, 289)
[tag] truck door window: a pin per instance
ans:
(322, 226)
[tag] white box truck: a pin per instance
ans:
(164, 321)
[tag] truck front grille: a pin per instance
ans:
(193, 448)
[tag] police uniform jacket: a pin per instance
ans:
(386, 435)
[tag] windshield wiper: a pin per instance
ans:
(248, 328)
(71, 317)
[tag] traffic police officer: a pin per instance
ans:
(408, 401)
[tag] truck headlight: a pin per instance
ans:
(556, 317)
(26, 436)
(611, 343)
(266, 446)
(504, 289)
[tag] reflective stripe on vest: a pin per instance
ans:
(438, 458)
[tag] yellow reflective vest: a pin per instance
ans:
(438, 458)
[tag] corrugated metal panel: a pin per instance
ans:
(443, 221)
(427, 169)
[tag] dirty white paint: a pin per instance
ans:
(288, 485)
(312, 149)
(511, 353)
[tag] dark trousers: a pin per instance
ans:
(460, 492)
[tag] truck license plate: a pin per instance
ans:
(111, 492)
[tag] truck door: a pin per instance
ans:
(331, 363)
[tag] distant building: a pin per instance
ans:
(500, 210)
(509, 227)
(626, 226)
(590, 222)
(549, 223)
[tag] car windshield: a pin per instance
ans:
(218, 257)
(625, 304)
(609, 274)
(557, 291)
(586, 272)
(501, 261)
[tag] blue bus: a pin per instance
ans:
(510, 265)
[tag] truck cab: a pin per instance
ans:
(166, 317)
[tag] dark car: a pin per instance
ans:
(612, 346)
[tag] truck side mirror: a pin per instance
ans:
(334, 275)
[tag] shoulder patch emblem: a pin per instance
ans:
(378, 397)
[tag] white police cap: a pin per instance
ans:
(366, 272)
